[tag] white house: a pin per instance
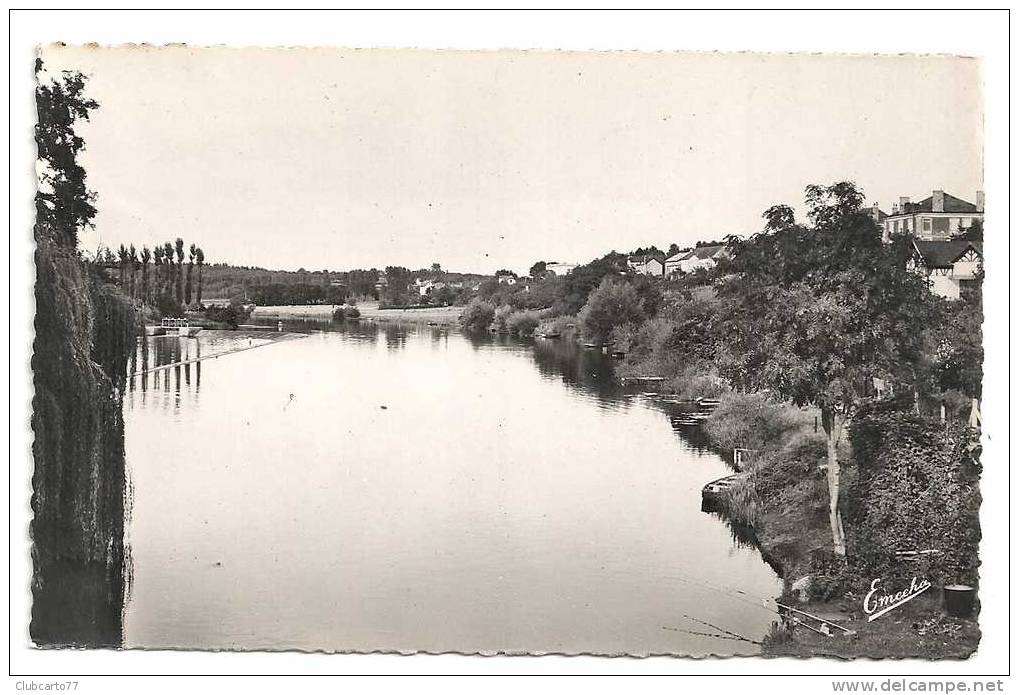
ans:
(935, 218)
(700, 257)
(647, 264)
(559, 268)
(951, 267)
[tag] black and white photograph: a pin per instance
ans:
(677, 356)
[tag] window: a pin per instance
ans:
(926, 224)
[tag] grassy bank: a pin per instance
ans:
(446, 315)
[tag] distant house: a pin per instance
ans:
(506, 278)
(936, 218)
(559, 268)
(950, 267)
(423, 286)
(700, 257)
(647, 264)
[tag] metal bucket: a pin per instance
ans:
(959, 600)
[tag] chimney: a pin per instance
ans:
(938, 201)
(903, 202)
(875, 212)
(980, 201)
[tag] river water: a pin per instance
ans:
(380, 487)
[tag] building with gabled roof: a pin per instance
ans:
(938, 217)
(699, 257)
(951, 268)
(651, 263)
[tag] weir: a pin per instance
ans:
(200, 358)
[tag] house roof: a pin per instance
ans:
(677, 256)
(952, 204)
(645, 257)
(704, 252)
(942, 254)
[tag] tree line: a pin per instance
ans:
(160, 277)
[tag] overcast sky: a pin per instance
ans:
(342, 159)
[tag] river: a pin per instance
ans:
(408, 488)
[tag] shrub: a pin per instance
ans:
(795, 461)
(477, 315)
(916, 488)
(611, 304)
(346, 313)
(750, 421)
(557, 325)
(830, 578)
(231, 315)
(523, 323)
(500, 320)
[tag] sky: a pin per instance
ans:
(339, 159)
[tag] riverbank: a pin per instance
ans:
(784, 499)
(443, 315)
(918, 629)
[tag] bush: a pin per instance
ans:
(625, 337)
(830, 578)
(231, 315)
(523, 323)
(477, 315)
(346, 313)
(751, 421)
(916, 488)
(557, 325)
(611, 304)
(500, 320)
(794, 462)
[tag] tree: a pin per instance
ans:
(200, 262)
(179, 280)
(146, 258)
(122, 262)
(975, 232)
(395, 292)
(578, 283)
(168, 268)
(813, 313)
(673, 249)
(436, 268)
(63, 203)
(537, 270)
(157, 273)
(191, 266)
(445, 295)
(611, 304)
(132, 264)
(477, 315)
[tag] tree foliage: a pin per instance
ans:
(477, 315)
(63, 203)
(613, 303)
(814, 312)
(917, 488)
